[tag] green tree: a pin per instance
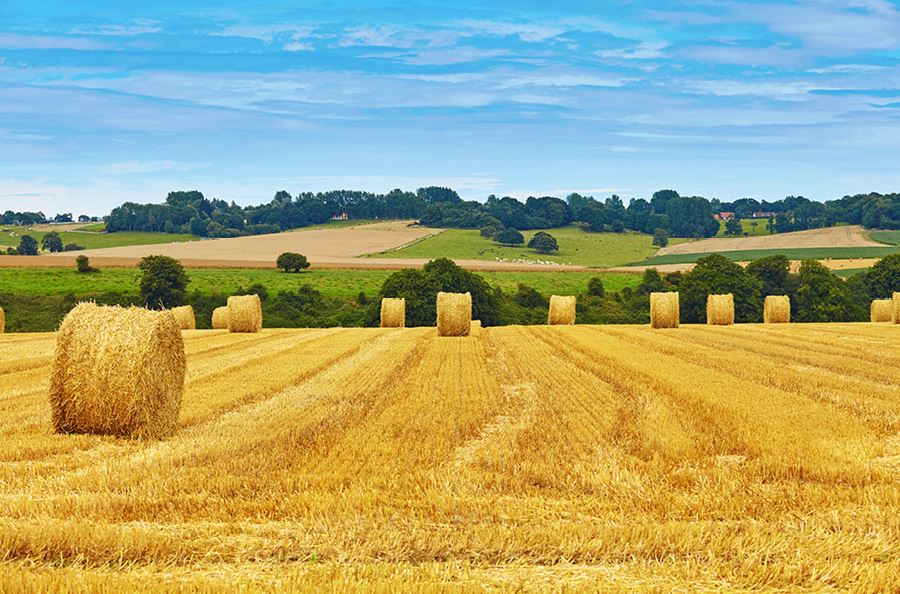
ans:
(292, 262)
(543, 243)
(595, 287)
(83, 265)
(163, 282)
(883, 279)
(28, 246)
(733, 227)
(509, 236)
(716, 274)
(651, 282)
(487, 232)
(660, 238)
(52, 242)
(823, 296)
(529, 297)
(774, 274)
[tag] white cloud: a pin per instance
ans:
(15, 42)
(298, 46)
(137, 27)
(647, 50)
(138, 167)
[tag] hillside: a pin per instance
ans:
(527, 458)
(847, 236)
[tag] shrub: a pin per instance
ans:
(509, 236)
(83, 265)
(72, 247)
(595, 287)
(543, 243)
(488, 231)
(660, 238)
(292, 262)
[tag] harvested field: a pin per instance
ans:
(526, 458)
(829, 237)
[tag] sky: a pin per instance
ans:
(103, 102)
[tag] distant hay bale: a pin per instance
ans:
(184, 315)
(454, 314)
(117, 371)
(244, 313)
(777, 309)
(881, 310)
(720, 310)
(475, 328)
(393, 312)
(562, 311)
(664, 310)
(2, 321)
(220, 318)
(896, 301)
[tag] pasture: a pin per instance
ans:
(527, 458)
(90, 239)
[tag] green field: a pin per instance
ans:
(888, 237)
(747, 226)
(10, 236)
(575, 247)
(334, 283)
(839, 253)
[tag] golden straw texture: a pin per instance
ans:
(561, 311)
(220, 318)
(2, 321)
(454, 314)
(244, 313)
(117, 371)
(475, 328)
(720, 310)
(881, 310)
(777, 309)
(664, 310)
(896, 307)
(393, 312)
(184, 316)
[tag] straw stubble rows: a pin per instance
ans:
(712, 457)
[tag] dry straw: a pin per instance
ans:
(220, 318)
(664, 310)
(896, 307)
(720, 310)
(117, 371)
(184, 315)
(393, 312)
(244, 313)
(454, 314)
(881, 310)
(475, 328)
(562, 310)
(2, 321)
(777, 309)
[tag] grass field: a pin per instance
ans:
(575, 247)
(10, 236)
(792, 253)
(614, 458)
(338, 283)
(748, 228)
(888, 237)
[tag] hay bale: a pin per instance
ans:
(184, 315)
(2, 321)
(393, 312)
(777, 309)
(664, 310)
(881, 310)
(244, 313)
(454, 314)
(896, 301)
(720, 310)
(117, 371)
(562, 311)
(220, 318)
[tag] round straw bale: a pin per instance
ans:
(220, 318)
(881, 310)
(777, 309)
(454, 314)
(244, 313)
(2, 321)
(561, 311)
(896, 307)
(117, 371)
(664, 310)
(184, 315)
(393, 312)
(720, 310)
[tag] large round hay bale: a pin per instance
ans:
(777, 309)
(117, 371)
(184, 316)
(664, 310)
(220, 318)
(720, 310)
(393, 312)
(2, 321)
(244, 313)
(454, 314)
(561, 311)
(896, 301)
(881, 310)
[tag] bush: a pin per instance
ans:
(292, 262)
(362, 298)
(254, 289)
(83, 265)
(73, 247)
(163, 282)
(660, 238)
(595, 287)
(488, 231)
(28, 246)
(529, 297)
(716, 274)
(543, 243)
(509, 236)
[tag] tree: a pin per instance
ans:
(883, 279)
(487, 231)
(716, 274)
(823, 296)
(733, 227)
(543, 243)
(660, 238)
(163, 282)
(509, 236)
(774, 274)
(83, 265)
(651, 282)
(52, 242)
(28, 246)
(292, 262)
(595, 287)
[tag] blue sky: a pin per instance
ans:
(101, 102)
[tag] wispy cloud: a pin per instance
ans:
(133, 167)
(16, 41)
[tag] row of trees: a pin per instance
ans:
(38, 218)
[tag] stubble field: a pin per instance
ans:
(529, 458)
